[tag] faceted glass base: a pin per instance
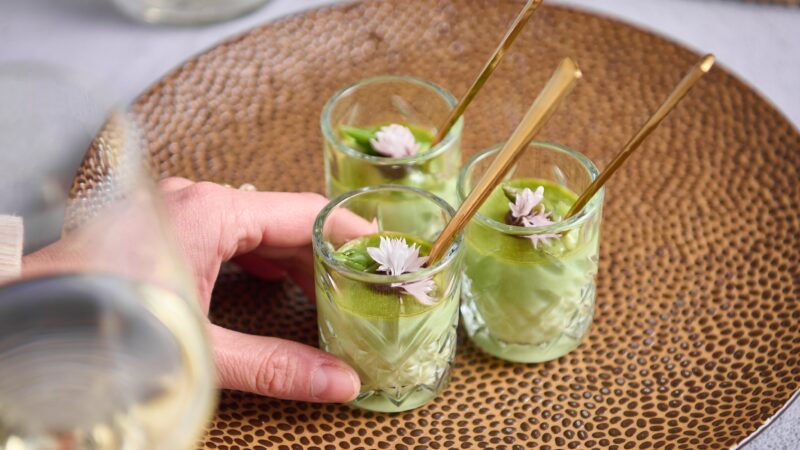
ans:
(390, 402)
(402, 364)
(557, 345)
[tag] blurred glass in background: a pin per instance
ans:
(102, 345)
(187, 12)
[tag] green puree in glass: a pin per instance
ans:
(557, 199)
(400, 348)
(523, 303)
(359, 138)
(370, 300)
(436, 174)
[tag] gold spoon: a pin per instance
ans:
(691, 77)
(540, 111)
(501, 50)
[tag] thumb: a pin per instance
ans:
(279, 368)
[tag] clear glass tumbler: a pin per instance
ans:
(186, 12)
(401, 348)
(524, 302)
(381, 101)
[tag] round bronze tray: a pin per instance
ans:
(696, 338)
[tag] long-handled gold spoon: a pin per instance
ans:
(691, 77)
(540, 111)
(498, 54)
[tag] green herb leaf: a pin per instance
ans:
(511, 192)
(358, 138)
(358, 259)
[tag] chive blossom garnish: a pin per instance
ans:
(396, 257)
(523, 213)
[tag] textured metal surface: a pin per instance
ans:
(696, 338)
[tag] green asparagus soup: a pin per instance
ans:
(360, 138)
(400, 347)
(436, 173)
(526, 302)
(373, 300)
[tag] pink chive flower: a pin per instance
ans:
(525, 202)
(523, 209)
(395, 141)
(396, 257)
(419, 290)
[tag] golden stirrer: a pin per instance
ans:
(498, 54)
(540, 111)
(691, 77)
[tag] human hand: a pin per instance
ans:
(268, 234)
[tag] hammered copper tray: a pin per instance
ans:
(697, 327)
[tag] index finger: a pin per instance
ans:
(291, 220)
(245, 221)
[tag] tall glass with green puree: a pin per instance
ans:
(380, 131)
(380, 307)
(529, 283)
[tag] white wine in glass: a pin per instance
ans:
(102, 345)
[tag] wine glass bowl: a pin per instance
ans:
(102, 344)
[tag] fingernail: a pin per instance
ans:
(334, 384)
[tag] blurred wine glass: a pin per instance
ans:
(187, 12)
(102, 345)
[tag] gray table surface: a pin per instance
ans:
(759, 43)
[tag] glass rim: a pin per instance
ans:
(321, 248)
(331, 136)
(563, 226)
